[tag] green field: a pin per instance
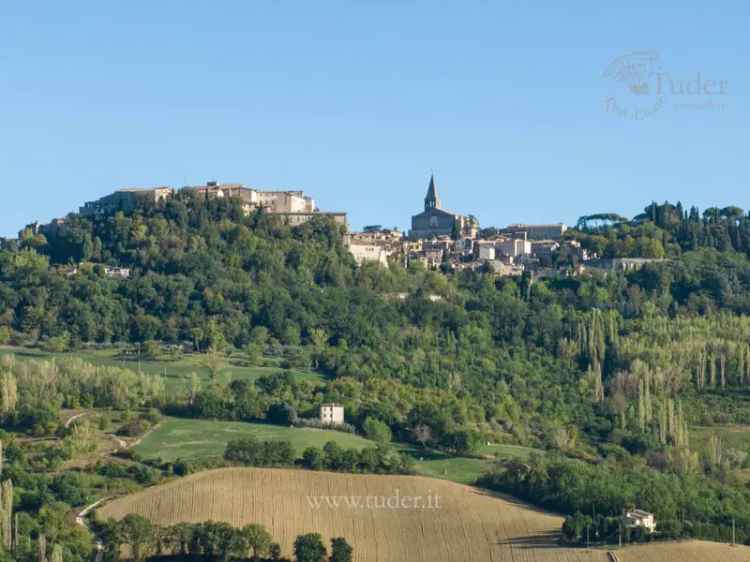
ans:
(173, 370)
(199, 439)
(194, 439)
(732, 436)
(464, 470)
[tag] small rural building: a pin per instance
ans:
(640, 518)
(117, 272)
(331, 414)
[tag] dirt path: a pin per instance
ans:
(81, 520)
(71, 419)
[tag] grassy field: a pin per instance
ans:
(732, 436)
(173, 370)
(194, 439)
(457, 524)
(456, 469)
(463, 470)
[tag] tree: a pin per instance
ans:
(340, 550)
(310, 548)
(282, 414)
(220, 540)
(258, 539)
(254, 354)
(6, 504)
(274, 551)
(423, 434)
(57, 554)
(313, 459)
(377, 430)
(138, 532)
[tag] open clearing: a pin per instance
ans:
(469, 525)
(200, 439)
(194, 439)
(734, 436)
(464, 470)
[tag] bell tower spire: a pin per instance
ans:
(431, 200)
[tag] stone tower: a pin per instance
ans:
(431, 200)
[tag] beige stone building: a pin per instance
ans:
(293, 207)
(331, 414)
(640, 518)
(375, 244)
(536, 231)
(126, 199)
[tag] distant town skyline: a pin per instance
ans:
(403, 224)
(523, 115)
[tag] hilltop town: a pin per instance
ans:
(439, 239)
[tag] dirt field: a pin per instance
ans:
(455, 523)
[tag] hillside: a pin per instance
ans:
(237, 317)
(472, 526)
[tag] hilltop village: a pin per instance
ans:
(439, 239)
(449, 241)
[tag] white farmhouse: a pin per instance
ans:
(640, 518)
(331, 414)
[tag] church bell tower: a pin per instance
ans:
(431, 200)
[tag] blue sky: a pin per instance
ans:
(356, 102)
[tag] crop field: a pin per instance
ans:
(193, 439)
(458, 523)
(175, 371)
(684, 551)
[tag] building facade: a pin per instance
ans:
(126, 200)
(536, 231)
(293, 207)
(640, 518)
(331, 414)
(375, 244)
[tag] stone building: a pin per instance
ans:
(639, 518)
(536, 231)
(296, 219)
(514, 247)
(126, 200)
(331, 414)
(375, 244)
(286, 202)
(435, 221)
(215, 190)
(293, 207)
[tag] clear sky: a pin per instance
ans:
(355, 102)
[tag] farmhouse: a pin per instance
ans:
(117, 272)
(640, 518)
(331, 414)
